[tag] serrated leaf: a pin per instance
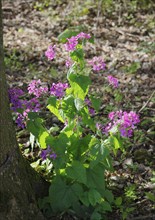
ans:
(68, 107)
(80, 85)
(94, 197)
(61, 196)
(95, 178)
(77, 172)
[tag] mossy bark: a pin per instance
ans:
(19, 184)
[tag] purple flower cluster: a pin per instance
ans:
(32, 105)
(97, 63)
(50, 52)
(89, 104)
(113, 81)
(48, 153)
(17, 103)
(36, 88)
(14, 96)
(73, 41)
(57, 89)
(124, 121)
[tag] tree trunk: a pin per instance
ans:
(17, 190)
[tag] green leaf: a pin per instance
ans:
(42, 139)
(33, 115)
(36, 128)
(68, 107)
(105, 206)
(68, 33)
(96, 216)
(95, 178)
(96, 103)
(33, 128)
(118, 201)
(93, 142)
(77, 172)
(84, 199)
(108, 195)
(87, 120)
(79, 104)
(77, 189)
(133, 67)
(78, 146)
(116, 143)
(94, 197)
(61, 196)
(104, 151)
(80, 85)
(78, 55)
(108, 163)
(60, 143)
(53, 107)
(150, 196)
(69, 128)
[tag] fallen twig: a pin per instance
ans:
(147, 102)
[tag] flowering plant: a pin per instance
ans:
(81, 151)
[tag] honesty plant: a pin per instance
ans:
(81, 149)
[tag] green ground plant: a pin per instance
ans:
(76, 153)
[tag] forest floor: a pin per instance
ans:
(125, 38)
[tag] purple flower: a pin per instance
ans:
(14, 96)
(33, 105)
(57, 89)
(36, 88)
(113, 81)
(53, 156)
(20, 121)
(48, 153)
(71, 44)
(97, 63)
(124, 121)
(83, 35)
(69, 62)
(91, 109)
(50, 52)
(111, 115)
(73, 41)
(26, 105)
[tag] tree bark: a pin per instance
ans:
(17, 191)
